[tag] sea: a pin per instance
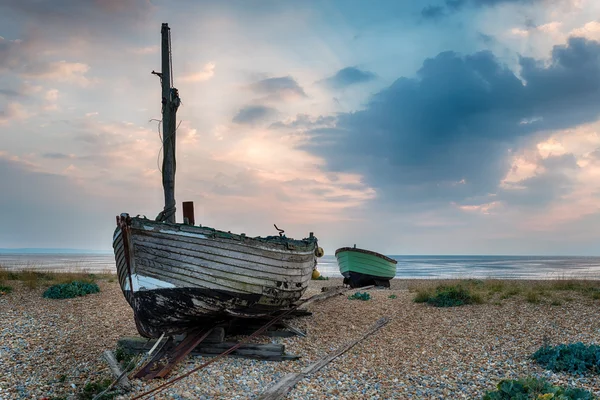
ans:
(408, 267)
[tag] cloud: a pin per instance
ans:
(145, 50)
(13, 111)
(304, 121)
(252, 114)
(87, 18)
(60, 71)
(207, 72)
(9, 93)
(591, 31)
(349, 76)
(281, 88)
(23, 58)
(458, 120)
(433, 12)
(57, 156)
(36, 210)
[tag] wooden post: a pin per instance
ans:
(122, 380)
(169, 108)
(188, 212)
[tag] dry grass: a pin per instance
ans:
(495, 290)
(33, 277)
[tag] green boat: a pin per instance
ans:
(364, 267)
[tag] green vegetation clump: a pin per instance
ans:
(70, 290)
(123, 357)
(392, 296)
(448, 296)
(91, 389)
(321, 278)
(535, 388)
(360, 296)
(575, 358)
(5, 289)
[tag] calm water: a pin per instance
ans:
(515, 267)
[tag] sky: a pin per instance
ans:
(404, 127)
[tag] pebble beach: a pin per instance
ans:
(52, 348)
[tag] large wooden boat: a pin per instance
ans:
(178, 277)
(364, 267)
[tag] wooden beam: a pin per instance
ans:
(283, 387)
(270, 352)
(115, 368)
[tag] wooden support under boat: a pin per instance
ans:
(255, 351)
(113, 364)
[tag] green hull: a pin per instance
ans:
(365, 262)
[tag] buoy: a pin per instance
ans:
(319, 252)
(316, 274)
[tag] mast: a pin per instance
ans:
(170, 103)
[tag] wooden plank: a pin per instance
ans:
(269, 351)
(283, 387)
(197, 268)
(249, 246)
(115, 368)
(245, 243)
(200, 249)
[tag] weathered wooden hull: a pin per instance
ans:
(364, 267)
(185, 276)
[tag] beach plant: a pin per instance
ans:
(448, 296)
(123, 357)
(575, 358)
(91, 389)
(70, 290)
(360, 296)
(537, 389)
(321, 278)
(392, 296)
(5, 289)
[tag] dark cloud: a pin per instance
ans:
(349, 76)
(446, 135)
(451, 6)
(433, 12)
(253, 114)
(56, 156)
(284, 87)
(9, 93)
